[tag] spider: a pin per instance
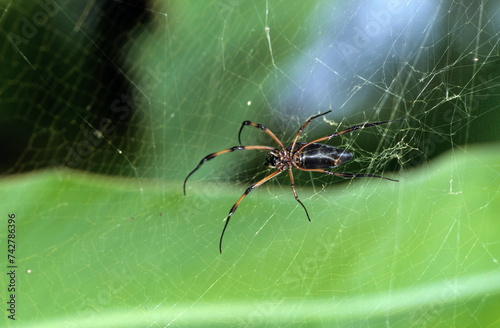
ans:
(305, 156)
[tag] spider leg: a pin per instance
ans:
(262, 127)
(295, 193)
(235, 206)
(348, 130)
(348, 175)
(303, 126)
(210, 156)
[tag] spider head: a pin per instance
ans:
(272, 159)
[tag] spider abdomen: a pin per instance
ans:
(320, 156)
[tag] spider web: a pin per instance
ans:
(111, 104)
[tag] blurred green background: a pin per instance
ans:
(107, 106)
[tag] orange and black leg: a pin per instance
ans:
(235, 206)
(348, 130)
(263, 128)
(213, 155)
(303, 126)
(348, 175)
(295, 193)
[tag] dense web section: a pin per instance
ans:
(143, 90)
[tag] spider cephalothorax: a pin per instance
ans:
(305, 156)
(279, 159)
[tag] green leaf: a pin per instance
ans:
(98, 251)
